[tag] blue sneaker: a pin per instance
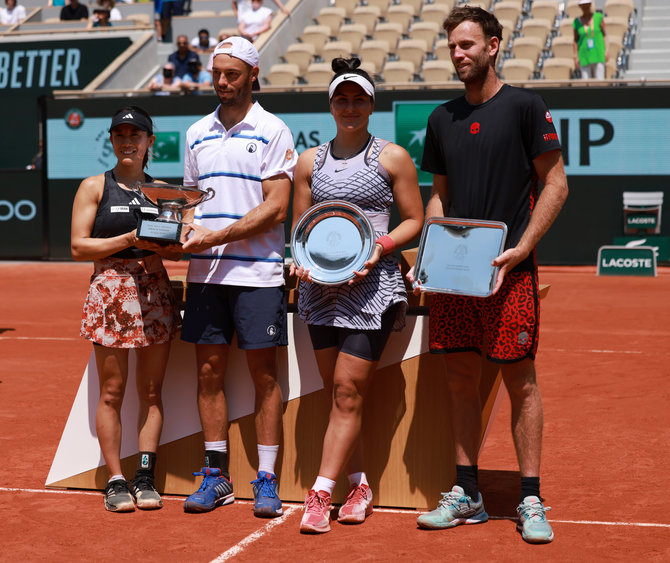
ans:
(533, 523)
(454, 508)
(215, 490)
(266, 500)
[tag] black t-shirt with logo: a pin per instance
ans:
(487, 153)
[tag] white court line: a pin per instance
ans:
(251, 538)
(574, 350)
(543, 349)
(292, 507)
(39, 338)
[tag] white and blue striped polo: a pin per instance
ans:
(234, 163)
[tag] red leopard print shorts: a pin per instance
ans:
(508, 321)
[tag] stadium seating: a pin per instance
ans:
(332, 17)
(318, 74)
(438, 70)
(375, 52)
(300, 54)
(563, 46)
(518, 69)
(557, 68)
(412, 50)
(398, 71)
(400, 13)
(283, 74)
(544, 9)
(428, 31)
(354, 33)
(527, 48)
(366, 16)
(390, 32)
(572, 9)
(334, 49)
(619, 8)
(348, 5)
(539, 28)
(507, 10)
(316, 35)
(434, 13)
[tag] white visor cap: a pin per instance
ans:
(364, 83)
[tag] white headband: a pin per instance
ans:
(363, 82)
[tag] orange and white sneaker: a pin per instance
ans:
(316, 519)
(357, 507)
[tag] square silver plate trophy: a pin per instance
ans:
(455, 255)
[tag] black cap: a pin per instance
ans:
(133, 118)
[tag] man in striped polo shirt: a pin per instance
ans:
(235, 276)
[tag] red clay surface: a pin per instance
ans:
(604, 374)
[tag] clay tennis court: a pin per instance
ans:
(604, 373)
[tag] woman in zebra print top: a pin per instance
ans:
(349, 324)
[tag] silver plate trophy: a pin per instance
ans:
(331, 240)
(171, 200)
(455, 255)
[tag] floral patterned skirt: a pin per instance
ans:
(130, 304)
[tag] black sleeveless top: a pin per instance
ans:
(119, 212)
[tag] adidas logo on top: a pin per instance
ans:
(134, 201)
(128, 116)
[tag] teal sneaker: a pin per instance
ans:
(454, 508)
(533, 523)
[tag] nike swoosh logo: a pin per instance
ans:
(339, 169)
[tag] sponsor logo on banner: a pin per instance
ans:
(74, 118)
(626, 261)
(167, 147)
(410, 131)
(23, 210)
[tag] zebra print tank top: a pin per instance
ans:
(361, 180)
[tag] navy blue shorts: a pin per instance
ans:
(213, 314)
(365, 344)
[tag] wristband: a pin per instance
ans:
(387, 244)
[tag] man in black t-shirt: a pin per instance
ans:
(74, 11)
(488, 151)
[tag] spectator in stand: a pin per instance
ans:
(590, 45)
(182, 56)
(168, 9)
(203, 43)
(195, 78)
(244, 5)
(74, 11)
(251, 23)
(13, 13)
(165, 82)
(114, 13)
(100, 18)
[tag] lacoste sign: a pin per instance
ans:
(626, 261)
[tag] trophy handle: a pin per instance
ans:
(210, 195)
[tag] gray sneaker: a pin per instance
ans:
(145, 493)
(454, 508)
(533, 523)
(118, 497)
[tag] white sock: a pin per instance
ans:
(116, 478)
(324, 484)
(267, 456)
(220, 446)
(358, 479)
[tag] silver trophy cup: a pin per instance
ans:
(171, 200)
